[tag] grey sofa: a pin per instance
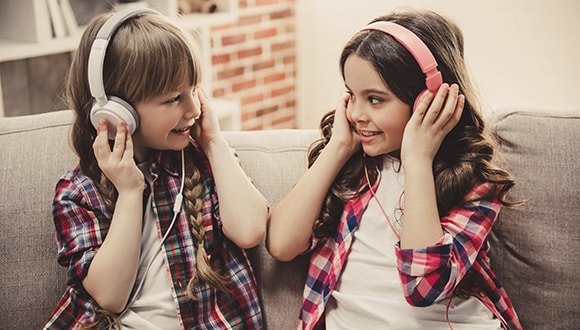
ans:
(535, 250)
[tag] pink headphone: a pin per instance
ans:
(417, 48)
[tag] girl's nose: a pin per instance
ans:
(193, 106)
(355, 112)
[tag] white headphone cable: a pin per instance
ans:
(176, 211)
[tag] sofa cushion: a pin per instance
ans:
(536, 247)
(35, 153)
(275, 160)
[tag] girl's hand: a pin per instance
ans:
(434, 117)
(118, 164)
(206, 128)
(343, 136)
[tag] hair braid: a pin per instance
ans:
(192, 193)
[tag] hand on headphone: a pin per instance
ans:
(206, 127)
(342, 132)
(118, 164)
(433, 118)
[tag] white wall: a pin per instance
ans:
(519, 52)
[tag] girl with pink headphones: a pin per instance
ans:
(401, 191)
(153, 223)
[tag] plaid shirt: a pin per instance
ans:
(429, 274)
(82, 221)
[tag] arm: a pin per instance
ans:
(243, 209)
(423, 135)
(290, 227)
(113, 270)
(432, 273)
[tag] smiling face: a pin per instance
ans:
(377, 114)
(166, 120)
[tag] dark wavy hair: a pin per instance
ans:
(467, 154)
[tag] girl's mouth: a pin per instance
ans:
(181, 130)
(368, 133)
(367, 136)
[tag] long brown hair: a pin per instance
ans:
(467, 154)
(148, 56)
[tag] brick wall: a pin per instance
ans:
(254, 61)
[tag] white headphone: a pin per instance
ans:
(111, 108)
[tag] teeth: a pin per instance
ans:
(363, 133)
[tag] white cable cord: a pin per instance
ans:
(176, 211)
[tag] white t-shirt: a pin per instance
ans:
(369, 293)
(153, 307)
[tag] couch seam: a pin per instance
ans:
(25, 130)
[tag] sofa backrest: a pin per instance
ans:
(535, 251)
(536, 247)
(275, 160)
(34, 153)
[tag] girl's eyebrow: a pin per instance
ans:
(374, 91)
(370, 91)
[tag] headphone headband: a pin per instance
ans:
(416, 47)
(99, 48)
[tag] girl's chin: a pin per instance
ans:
(373, 152)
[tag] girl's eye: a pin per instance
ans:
(173, 100)
(374, 100)
(351, 94)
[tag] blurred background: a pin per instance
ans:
(274, 63)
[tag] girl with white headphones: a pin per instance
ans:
(153, 222)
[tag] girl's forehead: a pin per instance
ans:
(360, 73)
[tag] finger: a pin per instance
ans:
(421, 107)
(101, 144)
(128, 154)
(203, 98)
(436, 106)
(120, 140)
(448, 108)
(342, 104)
(340, 115)
(456, 117)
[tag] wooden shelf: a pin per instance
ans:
(38, 42)
(11, 50)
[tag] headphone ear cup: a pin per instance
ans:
(419, 97)
(113, 111)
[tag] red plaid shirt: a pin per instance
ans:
(429, 274)
(82, 221)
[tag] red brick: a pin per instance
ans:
(247, 116)
(252, 99)
(282, 46)
(265, 111)
(282, 91)
(287, 13)
(243, 4)
(256, 127)
(263, 65)
(267, 33)
(229, 73)
(274, 77)
(233, 39)
(219, 92)
(285, 120)
(249, 52)
(219, 59)
(265, 2)
(249, 20)
(289, 59)
(243, 85)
